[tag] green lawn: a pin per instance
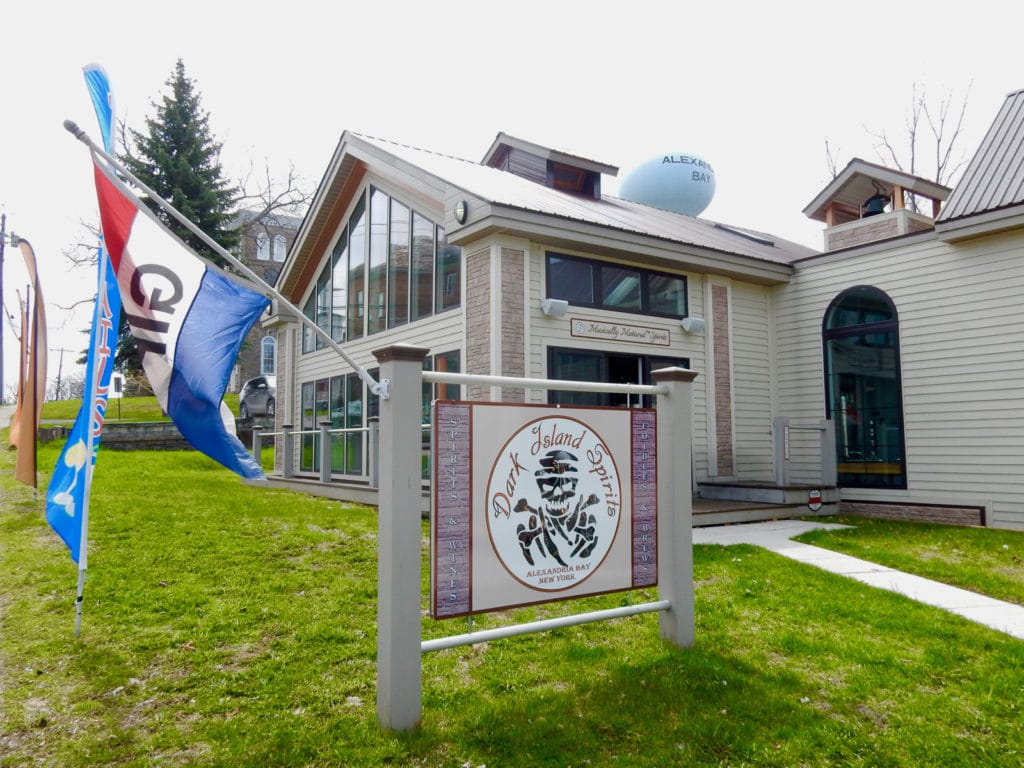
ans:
(228, 625)
(119, 409)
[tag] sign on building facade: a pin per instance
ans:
(533, 504)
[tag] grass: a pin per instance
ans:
(228, 625)
(119, 409)
(979, 559)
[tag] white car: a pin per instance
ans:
(257, 397)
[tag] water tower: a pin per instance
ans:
(679, 181)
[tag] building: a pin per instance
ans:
(263, 246)
(898, 338)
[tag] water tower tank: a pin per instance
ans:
(680, 182)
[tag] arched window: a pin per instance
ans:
(263, 246)
(268, 356)
(863, 392)
(280, 248)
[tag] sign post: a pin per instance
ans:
(675, 506)
(398, 539)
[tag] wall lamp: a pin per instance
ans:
(554, 307)
(693, 324)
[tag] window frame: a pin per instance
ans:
(597, 288)
(877, 329)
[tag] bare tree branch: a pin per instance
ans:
(831, 158)
(264, 197)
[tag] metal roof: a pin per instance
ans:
(503, 189)
(994, 178)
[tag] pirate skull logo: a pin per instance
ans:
(555, 515)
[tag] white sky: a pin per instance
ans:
(755, 89)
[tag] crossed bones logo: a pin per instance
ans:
(556, 522)
(554, 502)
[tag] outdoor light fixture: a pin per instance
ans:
(554, 307)
(692, 324)
(461, 211)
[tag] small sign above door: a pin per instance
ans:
(636, 334)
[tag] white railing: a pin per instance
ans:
(782, 431)
(290, 437)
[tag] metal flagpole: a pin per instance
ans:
(98, 367)
(378, 388)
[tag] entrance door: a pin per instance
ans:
(613, 368)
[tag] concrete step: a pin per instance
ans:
(765, 493)
(724, 512)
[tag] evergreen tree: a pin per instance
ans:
(178, 158)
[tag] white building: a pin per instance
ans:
(901, 335)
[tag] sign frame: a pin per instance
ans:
(530, 504)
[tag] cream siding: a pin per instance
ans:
(751, 383)
(961, 357)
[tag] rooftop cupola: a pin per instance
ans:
(554, 169)
(867, 202)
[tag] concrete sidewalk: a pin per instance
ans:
(775, 536)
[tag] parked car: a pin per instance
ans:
(258, 397)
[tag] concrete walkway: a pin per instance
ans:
(775, 537)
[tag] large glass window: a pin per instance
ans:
(307, 424)
(356, 276)
(339, 286)
(389, 266)
(339, 400)
(378, 269)
(308, 337)
(324, 318)
(863, 390)
(422, 267)
(347, 413)
(603, 285)
(398, 266)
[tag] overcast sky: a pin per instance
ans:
(755, 89)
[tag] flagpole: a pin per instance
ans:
(98, 367)
(380, 389)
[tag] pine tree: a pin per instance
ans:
(178, 158)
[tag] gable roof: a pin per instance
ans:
(991, 190)
(509, 191)
(854, 184)
(504, 202)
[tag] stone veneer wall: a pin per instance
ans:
(930, 513)
(724, 464)
(513, 321)
(478, 319)
(877, 228)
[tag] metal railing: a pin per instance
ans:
(782, 431)
(325, 433)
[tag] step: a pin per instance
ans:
(708, 512)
